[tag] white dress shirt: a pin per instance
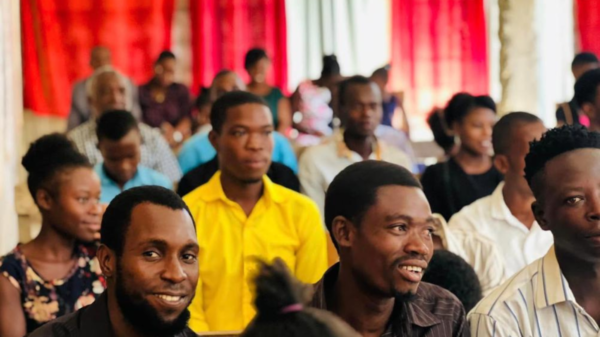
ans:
(491, 218)
(537, 301)
(478, 251)
(321, 163)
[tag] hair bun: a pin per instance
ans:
(45, 150)
(277, 290)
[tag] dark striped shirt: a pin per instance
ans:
(91, 321)
(434, 312)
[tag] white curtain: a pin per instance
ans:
(555, 29)
(11, 109)
(357, 31)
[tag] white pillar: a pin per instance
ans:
(11, 117)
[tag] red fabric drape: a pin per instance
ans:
(439, 47)
(224, 30)
(588, 24)
(58, 35)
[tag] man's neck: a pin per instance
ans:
(368, 315)
(243, 193)
(583, 278)
(119, 324)
(361, 145)
(518, 202)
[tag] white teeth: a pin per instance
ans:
(169, 298)
(413, 269)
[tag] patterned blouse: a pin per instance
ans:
(44, 301)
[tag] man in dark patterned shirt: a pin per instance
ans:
(148, 254)
(381, 224)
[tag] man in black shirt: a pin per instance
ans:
(148, 254)
(569, 112)
(382, 226)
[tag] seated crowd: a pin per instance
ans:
(247, 212)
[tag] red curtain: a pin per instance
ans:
(224, 30)
(58, 35)
(588, 24)
(439, 47)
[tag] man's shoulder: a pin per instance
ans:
(154, 176)
(325, 149)
(516, 289)
(64, 326)
(293, 199)
(435, 296)
(149, 132)
(477, 213)
(82, 130)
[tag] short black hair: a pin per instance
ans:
(253, 56)
(218, 112)
(586, 87)
(461, 104)
(583, 58)
(203, 99)
(115, 124)
(454, 274)
(117, 217)
(554, 143)
(48, 156)
(164, 55)
(345, 85)
(354, 190)
(502, 134)
(330, 66)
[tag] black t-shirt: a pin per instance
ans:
(278, 173)
(448, 188)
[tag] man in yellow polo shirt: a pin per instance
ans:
(241, 215)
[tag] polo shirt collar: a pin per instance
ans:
(344, 152)
(214, 190)
(551, 285)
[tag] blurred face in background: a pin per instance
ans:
(225, 83)
(165, 72)
(259, 70)
(108, 93)
(475, 131)
(362, 110)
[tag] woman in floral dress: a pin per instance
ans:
(56, 273)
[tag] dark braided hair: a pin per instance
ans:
(276, 290)
(554, 143)
(46, 158)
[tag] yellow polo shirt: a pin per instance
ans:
(283, 224)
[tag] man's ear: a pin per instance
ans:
(538, 213)
(108, 261)
(43, 199)
(501, 163)
(212, 137)
(343, 231)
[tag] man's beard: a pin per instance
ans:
(142, 316)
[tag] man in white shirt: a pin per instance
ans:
(360, 109)
(505, 217)
(478, 251)
(558, 295)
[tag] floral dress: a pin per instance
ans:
(42, 300)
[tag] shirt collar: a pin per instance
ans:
(417, 314)
(344, 152)
(500, 211)
(214, 190)
(449, 241)
(551, 286)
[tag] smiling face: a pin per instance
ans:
(158, 271)
(475, 131)
(245, 142)
(568, 193)
(390, 249)
(74, 209)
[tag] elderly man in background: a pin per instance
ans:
(107, 90)
(80, 107)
